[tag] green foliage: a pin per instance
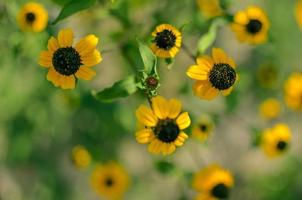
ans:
(164, 167)
(149, 59)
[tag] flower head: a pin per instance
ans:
(32, 17)
(270, 108)
(203, 128)
(166, 41)
(213, 75)
(293, 91)
(213, 183)
(66, 63)
(251, 25)
(162, 126)
(298, 13)
(80, 156)
(110, 180)
(275, 140)
(210, 8)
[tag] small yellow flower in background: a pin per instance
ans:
(275, 140)
(163, 125)
(81, 157)
(203, 128)
(213, 75)
(213, 183)
(66, 63)
(110, 181)
(293, 91)
(210, 8)
(298, 13)
(32, 17)
(166, 41)
(270, 108)
(251, 25)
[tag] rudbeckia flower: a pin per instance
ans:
(203, 128)
(81, 157)
(213, 183)
(210, 8)
(166, 41)
(275, 140)
(213, 75)
(270, 108)
(162, 126)
(293, 91)
(66, 63)
(32, 17)
(251, 25)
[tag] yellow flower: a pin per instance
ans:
(166, 41)
(32, 17)
(66, 63)
(298, 12)
(213, 183)
(203, 128)
(210, 8)
(110, 180)
(275, 141)
(270, 108)
(80, 156)
(162, 126)
(293, 91)
(251, 25)
(213, 75)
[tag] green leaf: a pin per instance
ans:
(169, 62)
(61, 2)
(164, 167)
(149, 59)
(256, 135)
(122, 88)
(73, 7)
(232, 101)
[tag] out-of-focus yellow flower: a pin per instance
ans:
(166, 41)
(210, 8)
(163, 125)
(251, 25)
(275, 140)
(203, 128)
(81, 157)
(213, 75)
(65, 63)
(298, 13)
(270, 108)
(32, 17)
(110, 181)
(293, 91)
(213, 183)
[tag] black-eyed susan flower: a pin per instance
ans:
(32, 17)
(166, 41)
(110, 180)
(81, 157)
(298, 13)
(276, 140)
(210, 8)
(213, 75)
(66, 63)
(162, 126)
(251, 25)
(213, 183)
(270, 108)
(293, 91)
(203, 128)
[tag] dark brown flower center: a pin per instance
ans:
(165, 39)
(167, 130)
(222, 76)
(254, 26)
(203, 127)
(282, 145)
(109, 182)
(220, 191)
(30, 17)
(66, 61)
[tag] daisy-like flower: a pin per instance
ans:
(110, 181)
(213, 75)
(32, 17)
(162, 126)
(298, 13)
(66, 63)
(251, 25)
(270, 108)
(275, 140)
(213, 183)
(210, 8)
(81, 157)
(293, 91)
(203, 128)
(166, 41)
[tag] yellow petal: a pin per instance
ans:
(53, 44)
(174, 108)
(65, 38)
(205, 61)
(169, 149)
(204, 90)
(146, 116)
(160, 107)
(85, 73)
(183, 121)
(92, 59)
(241, 18)
(67, 82)
(198, 72)
(154, 146)
(45, 59)
(180, 139)
(53, 76)
(144, 136)
(219, 56)
(227, 91)
(87, 45)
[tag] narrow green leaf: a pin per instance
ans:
(122, 88)
(61, 2)
(149, 59)
(73, 7)
(232, 101)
